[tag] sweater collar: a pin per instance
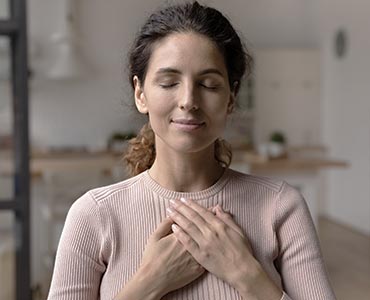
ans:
(170, 194)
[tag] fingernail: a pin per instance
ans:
(219, 208)
(172, 202)
(183, 200)
(174, 227)
(170, 210)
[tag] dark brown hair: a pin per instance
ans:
(187, 17)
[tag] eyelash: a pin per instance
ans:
(209, 87)
(168, 86)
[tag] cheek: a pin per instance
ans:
(217, 107)
(218, 114)
(159, 103)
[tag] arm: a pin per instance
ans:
(134, 289)
(253, 283)
(78, 265)
(300, 261)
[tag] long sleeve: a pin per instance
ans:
(300, 261)
(79, 266)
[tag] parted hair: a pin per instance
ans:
(182, 18)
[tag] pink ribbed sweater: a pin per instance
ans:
(107, 228)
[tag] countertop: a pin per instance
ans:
(106, 160)
(290, 163)
(41, 162)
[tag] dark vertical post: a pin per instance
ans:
(21, 143)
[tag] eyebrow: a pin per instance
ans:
(168, 70)
(211, 71)
(176, 71)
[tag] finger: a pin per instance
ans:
(227, 219)
(189, 213)
(189, 244)
(212, 209)
(188, 224)
(163, 229)
(199, 215)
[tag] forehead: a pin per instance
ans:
(187, 52)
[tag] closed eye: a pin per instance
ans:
(167, 86)
(209, 87)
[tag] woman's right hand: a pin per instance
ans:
(166, 265)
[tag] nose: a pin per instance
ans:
(189, 99)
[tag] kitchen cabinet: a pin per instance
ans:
(287, 95)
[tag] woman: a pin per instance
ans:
(164, 233)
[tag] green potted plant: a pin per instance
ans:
(117, 142)
(277, 145)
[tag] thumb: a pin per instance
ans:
(212, 209)
(228, 220)
(163, 229)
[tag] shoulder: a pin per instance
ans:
(273, 185)
(119, 189)
(279, 195)
(290, 200)
(94, 208)
(102, 200)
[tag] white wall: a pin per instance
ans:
(346, 109)
(84, 112)
(271, 23)
(95, 106)
(287, 91)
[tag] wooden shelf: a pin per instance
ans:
(107, 160)
(257, 163)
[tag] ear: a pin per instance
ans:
(140, 100)
(233, 92)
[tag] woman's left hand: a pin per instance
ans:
(215, 241)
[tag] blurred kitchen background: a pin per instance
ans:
(303, 115)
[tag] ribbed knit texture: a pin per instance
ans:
(106, 231)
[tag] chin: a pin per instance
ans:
(193, 146)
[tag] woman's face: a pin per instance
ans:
(186, 92)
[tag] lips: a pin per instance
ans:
(187, 124)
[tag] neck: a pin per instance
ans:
(191, 172)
